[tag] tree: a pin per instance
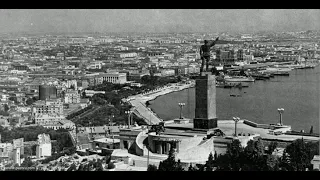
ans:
(192, 168)
(81, 167)
(157, 128)
(300, 154)
(98, 165)
(73, 167)
(272, 146)
(111, 165)
(29, 101)
(170, 164)
(14, 99)
(253, 155)
(6, 107)
(234, 151)
(4, 113)
(285, 164)
(27, 162)
(210, 163)
(152, 167)
(27, 151)
(272, 163)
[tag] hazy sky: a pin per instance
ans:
(157, 20)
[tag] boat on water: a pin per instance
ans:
(276, 69)
(260, 76)
(238, 79)
(279, 73)
(233, 85)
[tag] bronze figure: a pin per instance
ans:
(205, 53)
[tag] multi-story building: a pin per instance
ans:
(240, 54)
(226, 56)
(46, 112)
(154, 53)
(71, 97)
(6, 150)
(43, 146)
(4, 67)
(47, 119)
(116, 78)
(52, 106)
(287, 57)
(248, 58)
(94, 65)
(167, 72)
(47, 92)
(126, 55)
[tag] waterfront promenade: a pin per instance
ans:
(139, 101)
(228, 127)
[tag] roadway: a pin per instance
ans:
(139, 102)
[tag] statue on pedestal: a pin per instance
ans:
(205, 53)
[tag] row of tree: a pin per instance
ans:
(70, 116)
(297, 156)
(61, 136)
(114, 93)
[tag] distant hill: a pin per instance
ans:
(229, 42)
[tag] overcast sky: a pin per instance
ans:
(157, 20)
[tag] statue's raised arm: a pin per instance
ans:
(213, 42)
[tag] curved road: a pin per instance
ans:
(139, 101)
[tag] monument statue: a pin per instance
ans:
(205, 53)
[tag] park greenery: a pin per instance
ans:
(297, 156)
(61, 138)
(109, 106)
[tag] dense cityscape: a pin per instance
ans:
(79, 102)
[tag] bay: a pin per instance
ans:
(298, 94)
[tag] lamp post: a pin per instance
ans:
(181, 106)
(112, 116)
(91, 129)
(129, 114)
(280, 110)
(236, 120)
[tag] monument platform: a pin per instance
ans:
(205, 111)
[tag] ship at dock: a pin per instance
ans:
(238, 79)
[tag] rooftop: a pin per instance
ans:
(107, 140)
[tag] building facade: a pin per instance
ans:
(71, 97)
(48, 111)
(116, 78)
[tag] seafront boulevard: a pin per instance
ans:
(139, 101)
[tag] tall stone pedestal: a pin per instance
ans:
(205, 112)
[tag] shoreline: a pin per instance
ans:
(169, 93)
(146, 98)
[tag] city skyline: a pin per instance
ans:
(157, 20)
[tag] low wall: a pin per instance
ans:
(302, 134)
(256, 125)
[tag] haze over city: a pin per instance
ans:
(159, 90)
(157, 20)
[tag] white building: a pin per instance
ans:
(52, 106)
(16, 156)
(127, 55)
(316, 162)
(71, 97)
(116, 78)
(44, 146)
(47, 119)
(90, 93)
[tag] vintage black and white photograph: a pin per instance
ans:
(159, 89)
